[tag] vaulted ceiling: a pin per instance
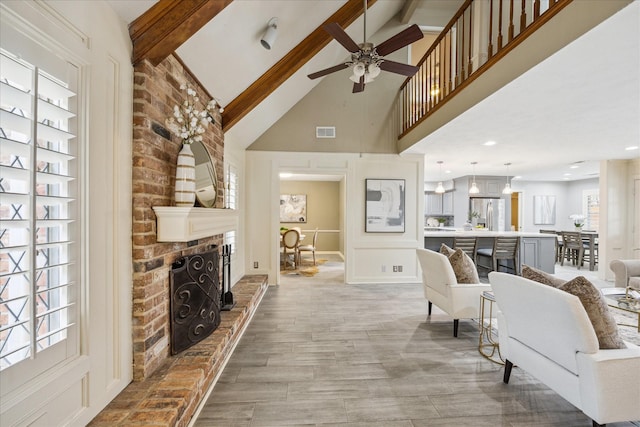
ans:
(593, 86)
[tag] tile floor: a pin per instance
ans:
(329, 354)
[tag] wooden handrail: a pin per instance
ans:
(472, 41)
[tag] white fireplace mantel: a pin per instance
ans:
(176, 224)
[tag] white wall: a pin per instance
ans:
(619, 220)
(92, 37)
(568, 200)
(365, 253)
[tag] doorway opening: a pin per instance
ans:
(313, 204)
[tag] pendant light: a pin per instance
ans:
(474, 187)
(507, 186)
(440, 187)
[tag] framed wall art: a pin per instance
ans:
(544, 210)
(384, 205)
(293, 208)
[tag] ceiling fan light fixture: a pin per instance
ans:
(269, 36)
(359, 69)
(374, 70)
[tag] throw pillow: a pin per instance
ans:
(446, 250)
(463, 267)
(541, 276)
(597, 310)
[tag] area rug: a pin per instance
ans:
(623, 319)
(307, 270)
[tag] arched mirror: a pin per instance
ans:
(206, 179)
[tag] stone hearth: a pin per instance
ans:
(171, 395)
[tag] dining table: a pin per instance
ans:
(590, 239)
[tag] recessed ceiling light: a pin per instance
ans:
(516, 177)
(565, 178)
(633, 147)
(567, 174)
(447, 171)
(489, 143)
(574, 167)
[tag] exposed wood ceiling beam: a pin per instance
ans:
(167, 24)
(407, 10)
(289, 64)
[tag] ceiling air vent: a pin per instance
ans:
(325, 131)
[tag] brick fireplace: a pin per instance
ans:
(155, 151)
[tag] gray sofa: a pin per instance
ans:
(627, 272)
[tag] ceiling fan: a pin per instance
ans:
(366, 59)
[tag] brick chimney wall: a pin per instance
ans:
(155, 153)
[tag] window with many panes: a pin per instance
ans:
(231, 188)
(38, 188)
(591, 205)
(231, 202)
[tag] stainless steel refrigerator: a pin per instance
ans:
(491, 211)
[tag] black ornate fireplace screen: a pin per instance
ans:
(195, 299)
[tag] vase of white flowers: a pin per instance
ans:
(578, 221)
(189, 123)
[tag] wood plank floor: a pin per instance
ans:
(331, 354)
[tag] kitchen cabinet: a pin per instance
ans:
(534, 252)
(447, 203)
(489, 187)
(439, 204)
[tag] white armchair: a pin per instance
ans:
(458, 300)
(546, 332)
(627, 272)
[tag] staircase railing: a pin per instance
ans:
(479, 34)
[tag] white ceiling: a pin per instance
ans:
(580, 105)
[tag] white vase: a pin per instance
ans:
(185, 190)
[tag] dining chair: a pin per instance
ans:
(309, 248)
(467, 244)
(290, 242)
(573, 248)
(590, 244)
(504, 248)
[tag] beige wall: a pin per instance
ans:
(323, 210)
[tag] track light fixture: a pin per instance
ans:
(269, 36)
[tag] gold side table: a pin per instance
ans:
(487, 342)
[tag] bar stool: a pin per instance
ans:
(504, 248)
(467, 244)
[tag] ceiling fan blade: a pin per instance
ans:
(400, 40)
(327, 71)
(358, 87)
(341, 37)
(399, 68)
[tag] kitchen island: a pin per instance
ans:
(535, 249)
